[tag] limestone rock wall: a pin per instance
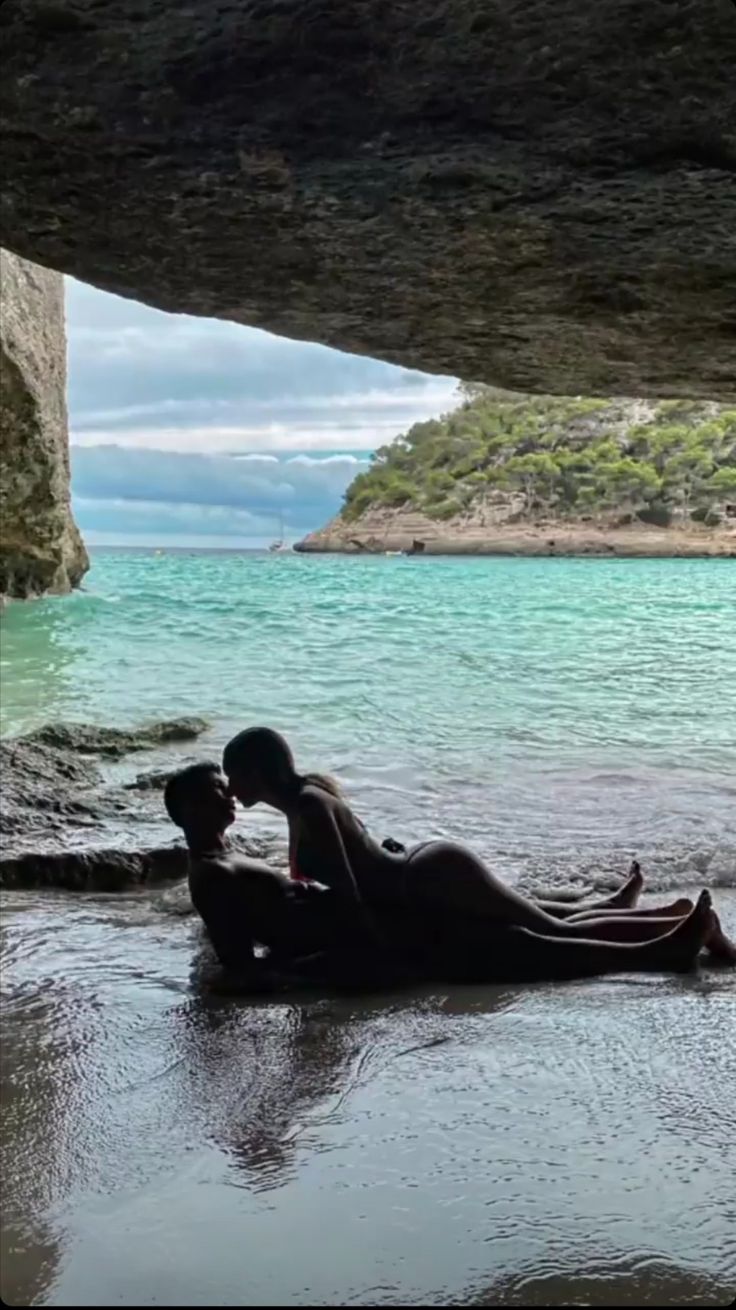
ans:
(495, 527)
(40, 545)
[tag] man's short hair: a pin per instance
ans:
(182, 788)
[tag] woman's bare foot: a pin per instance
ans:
(717, 943)
(682, 907)
(628, 895)
(680, 947)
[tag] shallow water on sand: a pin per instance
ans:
(547, 1145)
(564, 1145)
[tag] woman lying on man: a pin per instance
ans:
(435, 879)
(327, 932)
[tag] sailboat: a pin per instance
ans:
(279, 545)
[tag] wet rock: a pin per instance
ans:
(50, 786)
(60, 817)
(67, 824)
(154, 781)
(95, 870)
(111, 869)
(87, 739)
(39, 782)
(40, 546)
(537, 195)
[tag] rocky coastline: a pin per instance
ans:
(381, 531)
(70, 820)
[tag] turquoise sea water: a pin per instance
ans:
(560, 1145)
(552, 712)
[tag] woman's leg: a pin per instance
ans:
(516, 954)
(444, 877)
(620, 928)
(624, 901)
(719, 945)
(677, 910)
(625, 898)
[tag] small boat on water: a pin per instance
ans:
(279, 546)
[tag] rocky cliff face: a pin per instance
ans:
(495, 527)
(40, 546)
(537, 193)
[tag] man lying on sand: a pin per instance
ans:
(311, 934)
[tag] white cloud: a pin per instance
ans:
(295, 437)
(143, 378)
(353, 460)
(206, 429)
(257, 459)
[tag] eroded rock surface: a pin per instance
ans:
(68, 821)
(89, 739)
(40, 546)
(536, 193)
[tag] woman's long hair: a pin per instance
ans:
(268, 754)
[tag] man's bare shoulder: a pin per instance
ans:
(231, 866)
(209, 869)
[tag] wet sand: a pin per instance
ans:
(549, 1145)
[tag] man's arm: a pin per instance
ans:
(220, 900)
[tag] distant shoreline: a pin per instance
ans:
(378, 534)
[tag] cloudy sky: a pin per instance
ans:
(208, 432)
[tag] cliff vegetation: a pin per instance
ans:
(559, 458)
